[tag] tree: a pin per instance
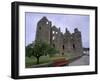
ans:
(39, 49)
(51, 50)
(28, 50)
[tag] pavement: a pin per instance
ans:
(83, 60)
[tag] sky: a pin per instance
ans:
(69, 21)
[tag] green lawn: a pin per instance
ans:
(32, 60)
(46, 59)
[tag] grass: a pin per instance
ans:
(29, 61)
(32, 60)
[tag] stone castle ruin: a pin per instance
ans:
(65, 43)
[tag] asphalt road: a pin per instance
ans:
(84, 60)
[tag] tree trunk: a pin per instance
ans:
(37, 60)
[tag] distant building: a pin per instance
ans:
(86, 51)
(65, 43)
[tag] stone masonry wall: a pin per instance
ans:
(65, 43)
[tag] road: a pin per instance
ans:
(84, 60)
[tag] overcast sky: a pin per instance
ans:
(70, 21)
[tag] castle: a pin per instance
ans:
(65, 43)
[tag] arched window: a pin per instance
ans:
(47, 22)
(74, 46)
(56, 32)
(53, 38)
(53, 32)
(63, 47)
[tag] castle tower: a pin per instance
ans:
(67, 42)
(77, 41)
(43, 30)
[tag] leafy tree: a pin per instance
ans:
(51, 50)
(39, 49)
(28, 50)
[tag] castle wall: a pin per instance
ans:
(65, 43)
(57, 38)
